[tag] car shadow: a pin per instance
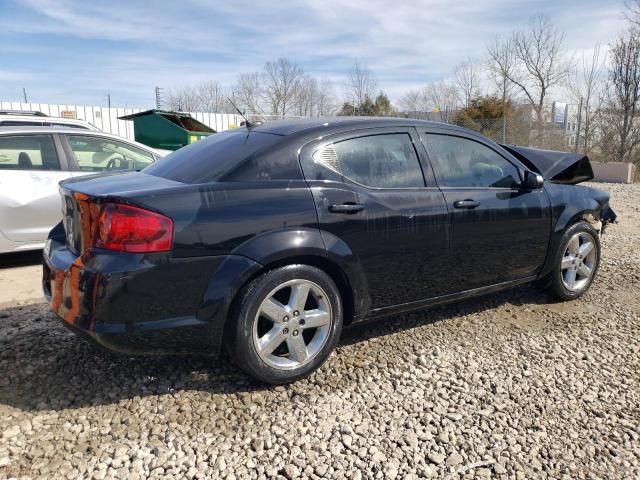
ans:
(45, 367)
(523, 295)
(20, 259)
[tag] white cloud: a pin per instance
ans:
(406, 44)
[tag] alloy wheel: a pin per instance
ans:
(578, 262)
(292, 324)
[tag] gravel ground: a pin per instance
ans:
(506, 386)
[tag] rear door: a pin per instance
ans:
(499, 232)
(371, 195)
(95, 154)
(30, 168)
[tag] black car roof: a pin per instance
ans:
(295, 125)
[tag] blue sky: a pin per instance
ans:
(73, 51)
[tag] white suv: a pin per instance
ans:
(32, 162)
(19, 118)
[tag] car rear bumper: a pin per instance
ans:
(136, 303)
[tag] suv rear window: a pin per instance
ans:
(220, 155)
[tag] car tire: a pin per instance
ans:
(576, 262)
(278, 335)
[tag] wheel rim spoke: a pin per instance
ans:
(274, 310)
(570, 278)
(316, 318)
(299, 295)
(584, 270)
(271, 340)
(586, 248)
(297, 348)
(574, 245)
(567, 261)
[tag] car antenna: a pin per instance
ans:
(247, 123)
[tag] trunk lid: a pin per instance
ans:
(82, 197)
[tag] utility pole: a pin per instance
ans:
(24, 93)
(158, 98)
(587, 129)
(578, 126)
(108, 100)
(504, 116)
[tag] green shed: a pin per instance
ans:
(167, 130)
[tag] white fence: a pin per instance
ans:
(106, 119)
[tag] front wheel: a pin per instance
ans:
(576, 263)
(288, 322)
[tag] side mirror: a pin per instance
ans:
(532, 181)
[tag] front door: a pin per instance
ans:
(30, 170)
(371, 194)
(499, 232)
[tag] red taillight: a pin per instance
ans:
(132, 229)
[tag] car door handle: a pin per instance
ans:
(467, 203)
(347, 208)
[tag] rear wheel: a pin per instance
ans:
(576, 263)
(288, 322)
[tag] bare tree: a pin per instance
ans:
(184, 99)
(361, 84)
(440, 97)
(467, 79)
(619, 120)
(584, 85)
(502, 66)
(247, 93)
(410, 101)
(306, 96)
(211, 97)
(281, 81)
(539, 63)
(326, 99)
(204, 97)
(632, 13)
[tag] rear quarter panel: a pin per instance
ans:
(223, 218)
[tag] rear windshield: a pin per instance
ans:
(212, 158)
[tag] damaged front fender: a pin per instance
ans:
(607, 216)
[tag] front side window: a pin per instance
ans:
(462, 162)
(381, 161)
(97, 154)
(28, 152)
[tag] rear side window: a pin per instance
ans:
(20, 123)
(461, 162)
(381, 161)
(28, 152)
(96, 154)
(235, 155)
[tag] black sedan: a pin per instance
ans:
(269, 239)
